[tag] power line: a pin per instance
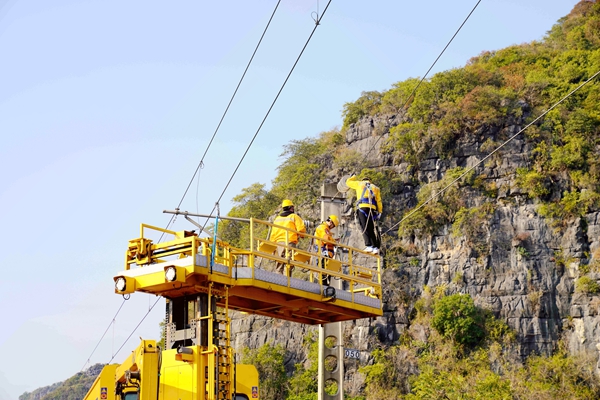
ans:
(107, 328)
(426, 73)
(492, 153)
(317, 23)
(201, 163)
(133, 331)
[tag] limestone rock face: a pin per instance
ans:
(516, 264)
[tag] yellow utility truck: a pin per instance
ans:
(202, 279)
(149, 373)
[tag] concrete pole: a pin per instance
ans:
(332, 202)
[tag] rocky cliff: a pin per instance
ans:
(511, 260)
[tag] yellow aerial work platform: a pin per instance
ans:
(244, 279)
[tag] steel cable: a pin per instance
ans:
(201, 163)
(133, 331)
(426, 73)
(104, 334)
(492, 153)
(317, 23)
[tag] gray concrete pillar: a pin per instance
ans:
(331, 350)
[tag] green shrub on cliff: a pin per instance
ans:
(268, 360)
(456, 317)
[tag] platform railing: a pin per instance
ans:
(308, 258)
(360, 271)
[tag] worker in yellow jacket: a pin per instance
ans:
(326, 245)
(368, 210)
(285, 238)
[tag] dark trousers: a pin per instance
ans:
(367, 226)
(324, 278)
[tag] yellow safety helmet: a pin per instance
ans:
(287, 203)
(334, 219)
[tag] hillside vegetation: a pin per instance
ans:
(463, 358)
(496, 87)
(490, 92)
(74, 388)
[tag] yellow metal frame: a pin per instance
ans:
(144, 361)
(146, 263)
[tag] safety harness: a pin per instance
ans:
(367, 200)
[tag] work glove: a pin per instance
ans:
(377, 216)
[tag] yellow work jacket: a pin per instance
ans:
(367, 194)
(323, 232)
(291, 221)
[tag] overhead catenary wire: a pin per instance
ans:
(133, 331)
(408, 99)
(241, 160)
(427, 73)
(437, 194)
(104, 334)
(201, 163)
(317, 23)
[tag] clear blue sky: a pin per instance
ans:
(107, 106)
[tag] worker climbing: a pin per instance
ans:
(326, 246)
(368, 210)
(286, 239)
